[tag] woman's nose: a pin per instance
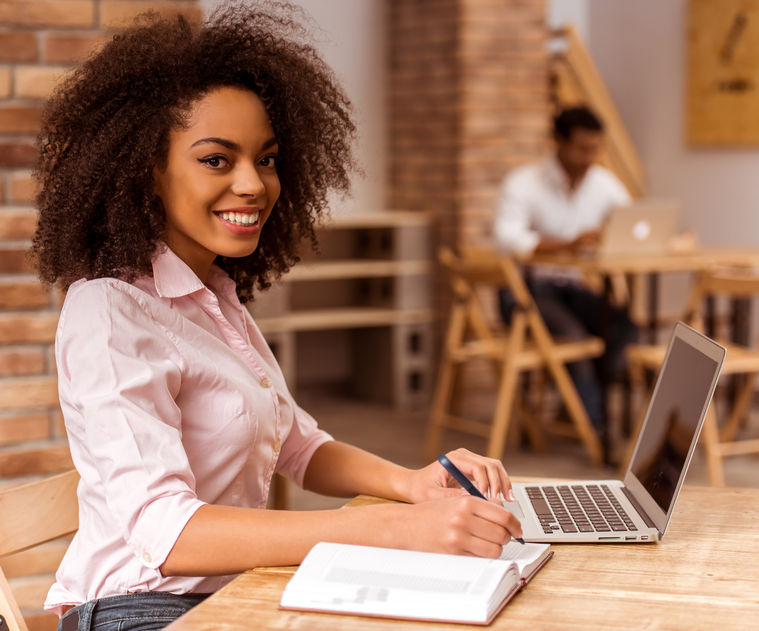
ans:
(248, 182)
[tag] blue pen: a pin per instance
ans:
(464, 481)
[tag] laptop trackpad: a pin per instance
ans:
(514, 508)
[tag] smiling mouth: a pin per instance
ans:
(244, 220)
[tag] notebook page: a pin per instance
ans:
(526, 556)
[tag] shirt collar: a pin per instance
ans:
(555, 174)
(173, 278)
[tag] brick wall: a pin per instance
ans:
(468, 100)
(39, 41)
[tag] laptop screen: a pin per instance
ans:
(685, 385)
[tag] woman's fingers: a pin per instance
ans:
(460, 525)
(488, 474)
(476, 526)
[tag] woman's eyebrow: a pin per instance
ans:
(230, 144)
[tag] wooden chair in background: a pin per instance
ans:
(526, 345)
(32, 514)
(712, 287)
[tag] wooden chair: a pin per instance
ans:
(525, 346)
(32, 514)
(711, 287)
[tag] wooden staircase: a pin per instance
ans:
(575, 80)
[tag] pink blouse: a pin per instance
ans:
(172, 399)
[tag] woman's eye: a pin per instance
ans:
(269, 161)
(214, 161)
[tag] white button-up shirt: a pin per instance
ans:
(535, 201)
(172, 399)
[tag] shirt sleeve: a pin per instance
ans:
(304, 439)
(119, 373)
(513, 232)
(618, 194)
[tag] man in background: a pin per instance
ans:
(559, 204)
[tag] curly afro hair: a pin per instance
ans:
(107, 126)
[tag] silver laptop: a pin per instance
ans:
(638, 508)
(644, 227)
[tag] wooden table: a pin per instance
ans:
(703, 575)
(651, 265)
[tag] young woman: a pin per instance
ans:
(180, 167)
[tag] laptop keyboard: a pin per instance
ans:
(578, 508)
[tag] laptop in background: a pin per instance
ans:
(637, 508)
(643, 227)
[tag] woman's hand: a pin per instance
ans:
(487, 474)
(463, 524)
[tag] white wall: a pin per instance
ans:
(640, 49)
(561, 12)
(349, 35)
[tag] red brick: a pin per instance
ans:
(50, 366)
(69, 48)
(5, 82)
(36, 82)
(21, 188)
(17, 223)
(18, 46)
(120, 13)
(17, 154)
(485, 60)
(24, 461)
(59, 426)
(20, 119)
(54, 13)
(27, 427)
(24, 294)
(58, 297)
(15, 260)
(21, 361)
(18, 328)
(28, 392)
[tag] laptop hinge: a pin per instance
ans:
(643, 515)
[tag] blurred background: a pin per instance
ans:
(449, 96)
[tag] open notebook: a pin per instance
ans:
(343, 578)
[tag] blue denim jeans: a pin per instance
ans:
(131, 612)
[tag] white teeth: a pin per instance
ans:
(240, 219)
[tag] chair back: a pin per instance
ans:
(525, 345)
(32, 514)
(475, 269)
(742, 362)
(712, 285)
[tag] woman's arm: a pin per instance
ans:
(226, 540)
(342, 470)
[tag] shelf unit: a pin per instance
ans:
(360, 310)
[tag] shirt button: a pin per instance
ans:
(265, 382)
(146, 557)
(277, 446)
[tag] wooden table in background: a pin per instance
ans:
(651, 266)
(703, 575)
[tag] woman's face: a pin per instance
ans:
(220, 181)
